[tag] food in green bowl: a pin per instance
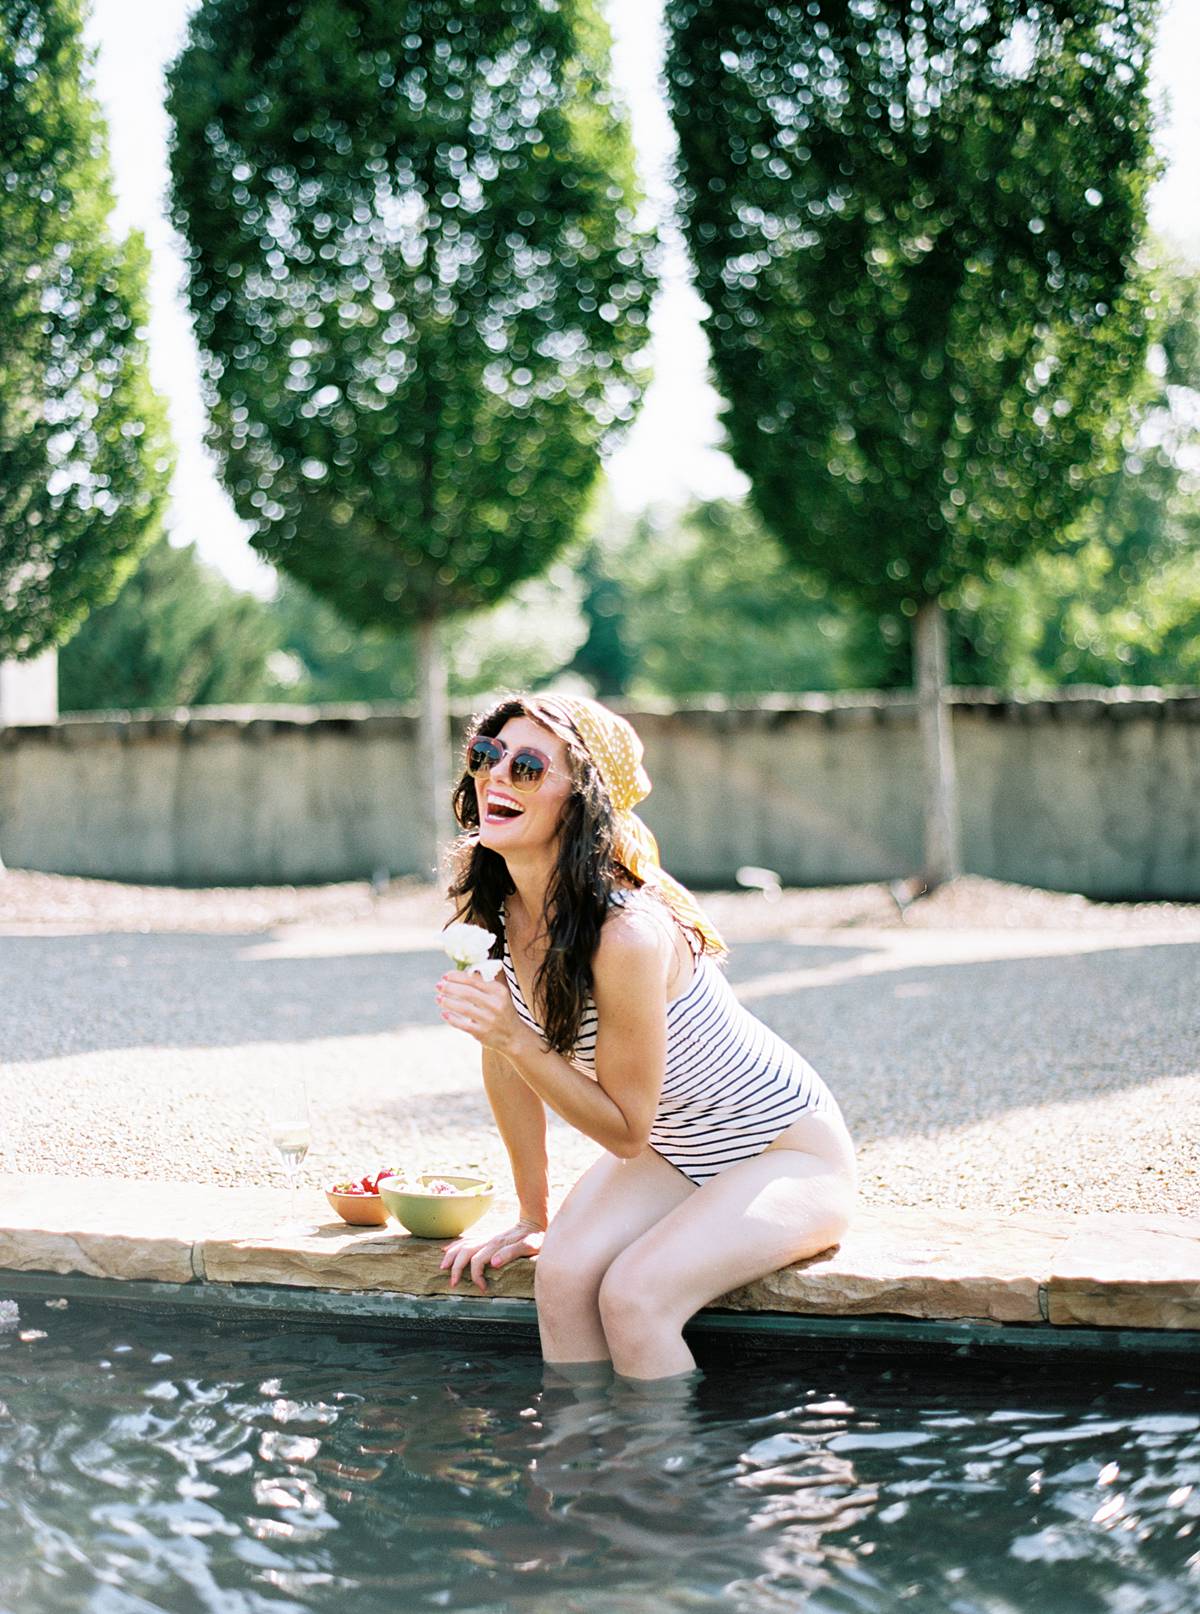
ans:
(436, 1204)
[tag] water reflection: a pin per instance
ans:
(656, 1480)
(316, 1472)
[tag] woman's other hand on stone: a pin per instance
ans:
(523, 1238)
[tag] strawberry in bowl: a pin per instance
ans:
(357, 1201)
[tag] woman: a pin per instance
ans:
(727, 1157)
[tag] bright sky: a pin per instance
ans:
(673, 449)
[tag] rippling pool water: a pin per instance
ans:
(156, 1464)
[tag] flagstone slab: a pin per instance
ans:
(1128, 1272)
(358, 1259)
(117, 1228)
(920, 1263)
(1052, 1271)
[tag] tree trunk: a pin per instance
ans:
(942, 833)
(433, 770)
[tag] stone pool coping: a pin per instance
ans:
(905, 1272)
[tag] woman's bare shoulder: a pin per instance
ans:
(633, 937)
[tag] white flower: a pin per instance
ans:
(468, 946)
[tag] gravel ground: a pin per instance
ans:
(966, 904)
(992, 1046)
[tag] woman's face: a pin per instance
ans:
(523, 820)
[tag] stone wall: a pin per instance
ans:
(1095, 791)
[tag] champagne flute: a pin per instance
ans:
(291, 1133)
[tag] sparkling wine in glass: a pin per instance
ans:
(292, 1143)
(291, 1134)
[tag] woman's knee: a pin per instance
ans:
(833, 1212)
(840, 1214)
(564, 1275)
(631, 1301)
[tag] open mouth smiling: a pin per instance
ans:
(502, 810)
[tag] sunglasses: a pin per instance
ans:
(527, 770)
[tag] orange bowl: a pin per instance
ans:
(360, 1210)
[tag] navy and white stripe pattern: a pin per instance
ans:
(731, 1085)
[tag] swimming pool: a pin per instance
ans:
(160, 1463)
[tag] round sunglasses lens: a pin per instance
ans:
(482, 757)
(527, 770)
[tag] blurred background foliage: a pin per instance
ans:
(703, 601)
(177, 634)
(421, 287)
(1116, 600)
(84, 452)
(674, 604)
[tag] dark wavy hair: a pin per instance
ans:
(586, 873)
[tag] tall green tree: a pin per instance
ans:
(418, 289)
(915, 227)
(84, 455)
(177, 634)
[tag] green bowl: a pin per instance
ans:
(438, 1216)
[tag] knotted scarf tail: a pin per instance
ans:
(637, 849)
(614, 746)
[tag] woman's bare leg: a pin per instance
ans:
(755, 1217)
(609, 1208)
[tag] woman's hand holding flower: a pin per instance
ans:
(471, 997)
(481, 1008)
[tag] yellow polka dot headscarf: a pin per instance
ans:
(614, 747)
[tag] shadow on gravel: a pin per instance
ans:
(82, 994)
(905, 1050)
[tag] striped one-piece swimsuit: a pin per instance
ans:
(731, 1086)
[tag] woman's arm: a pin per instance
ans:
(629, 976)
(521, 1121)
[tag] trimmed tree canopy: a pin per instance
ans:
(416, 282)
(914, 224)
(84, 458)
